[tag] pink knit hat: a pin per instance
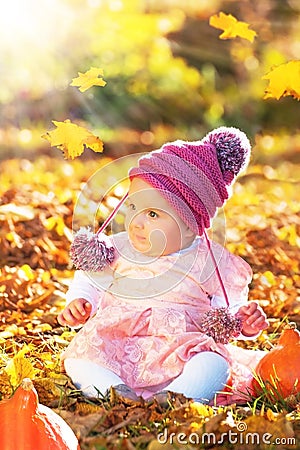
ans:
(196, 177)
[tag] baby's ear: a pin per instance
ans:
(189, 233)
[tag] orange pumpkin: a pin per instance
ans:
(25, 424)
(280, 368)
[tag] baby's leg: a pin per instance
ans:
(89, 377)
(203, 375)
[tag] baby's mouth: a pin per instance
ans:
(140, 238)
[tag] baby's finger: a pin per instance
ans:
(68, 318)
(87, 305)
(252, 308)
(77, 310)
(253, 317)
(259, 323)
(61, 319)
(243, 311)
(87, 308)
(248, 309)
(80, 309)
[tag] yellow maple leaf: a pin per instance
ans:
(92, 77)
(20, 367)
(72, 139)
(231, 27)
(284, 80)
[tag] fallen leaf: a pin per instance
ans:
(265, 432)
(6, 389)
(263, 226)
(27, 271)
(157, 445)
(21, 212)
(83, 424)
(20, 367)
(92, 77)
(284, 80)
(199, 409)
(232, 27)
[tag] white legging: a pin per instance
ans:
(203, 375)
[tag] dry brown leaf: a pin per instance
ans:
(6, 389)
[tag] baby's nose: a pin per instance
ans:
(138, 220)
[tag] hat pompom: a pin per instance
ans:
(233, 150)
(90, 251)
(221, 325)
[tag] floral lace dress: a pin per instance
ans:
(145, 312)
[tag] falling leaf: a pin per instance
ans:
(71, 139)
(232, 27)
(284, 80)
(93, 77)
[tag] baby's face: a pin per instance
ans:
(154, 228)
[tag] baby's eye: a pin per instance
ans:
(131, 206)
(153, 214)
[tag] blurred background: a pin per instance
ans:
(168, 74)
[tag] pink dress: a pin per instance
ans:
(145, 311)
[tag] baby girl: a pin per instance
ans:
(141, 314)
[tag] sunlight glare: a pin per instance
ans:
(31, 20)
(32, 36)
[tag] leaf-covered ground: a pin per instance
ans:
(36, 212)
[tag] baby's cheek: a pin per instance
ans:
(128, 220)
(158, 239)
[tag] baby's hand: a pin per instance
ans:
(76, 313)
(253, 317)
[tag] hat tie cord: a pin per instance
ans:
(217, 268)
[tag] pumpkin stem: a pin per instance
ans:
(290, 335)
(27, 384)
(290, 326)
(26, 396)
